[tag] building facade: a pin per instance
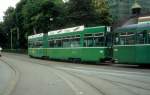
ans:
(120, 9)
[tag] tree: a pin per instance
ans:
(85, 12)
(38, 16)
(32, 14)
(3, 36)
(8, 24)
(102, 10)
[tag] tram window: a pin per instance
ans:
(142, 37)
(38, 44)
(123, 34)
(88, 40)
(122, 40)
(34, 44)
(58, 43)
(130, 38)
(77, 36)
(30, 44)
(75, 42)
(99, 34)
(66, 43)
(87, 35)
(149, 38)
(51, 43)
(116, 40)
(99, 40)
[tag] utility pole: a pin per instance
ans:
(11, 44)
(18, 37)
(17, 33)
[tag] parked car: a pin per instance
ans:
(0, 51)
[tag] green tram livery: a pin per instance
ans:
(132, 44)
(76, 43)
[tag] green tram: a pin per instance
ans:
(132, 44)
(76, 43)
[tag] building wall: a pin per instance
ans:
(120, 9)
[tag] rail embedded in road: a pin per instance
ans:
(8, 78)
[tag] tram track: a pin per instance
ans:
(71, 84)
(13, 81)
(121, 77)
(81, 77)
(113, 81)
(84, 78)
(113, 75)
(68, 81)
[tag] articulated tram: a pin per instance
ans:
(128, 44)
(76, 43)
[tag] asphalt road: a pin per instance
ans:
(28, 76)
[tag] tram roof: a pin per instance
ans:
(134, 27)
(67, 30)
(36, 36)
(77, 29)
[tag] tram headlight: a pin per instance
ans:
(101, 51)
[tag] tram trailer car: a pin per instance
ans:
(132, 44)
(77, 43)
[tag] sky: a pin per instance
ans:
(4, 4)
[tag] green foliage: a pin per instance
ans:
(88, 12)
(38, 16)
